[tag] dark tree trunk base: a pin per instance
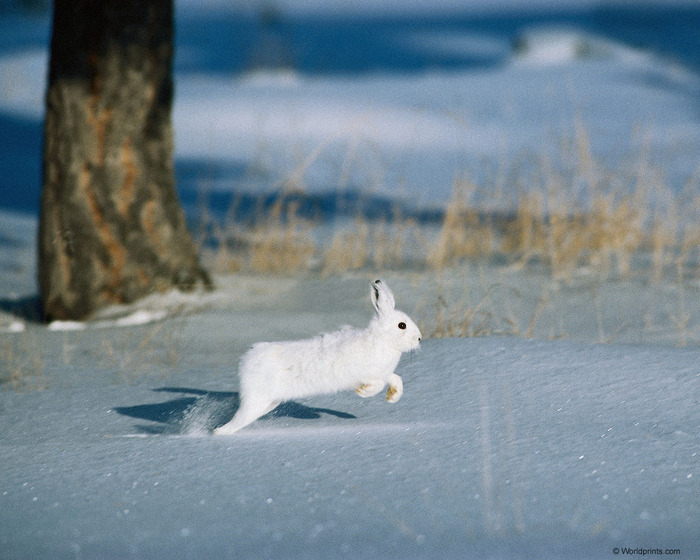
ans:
(111, 228)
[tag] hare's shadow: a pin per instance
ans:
(203, 411)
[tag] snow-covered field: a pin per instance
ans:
(500, 448)
(513, 446)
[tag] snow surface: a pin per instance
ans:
(501, 447)
(411, 135)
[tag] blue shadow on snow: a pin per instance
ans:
(205, 411)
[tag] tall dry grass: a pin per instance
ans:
(379, 245)
(464, 233)
(565, 215)
(279, 241)
(22, 359)
(568, 215)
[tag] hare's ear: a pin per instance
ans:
(382, 298)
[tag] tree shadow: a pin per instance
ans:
(27, 308)
(203, 411)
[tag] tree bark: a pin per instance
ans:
(111, 226)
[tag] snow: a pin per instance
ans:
(468, 102)
(141, 317)
(398, 134)
(370, 8)
(540, 445)
(499, 448)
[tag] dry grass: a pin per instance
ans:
(278, 242)
(280, 246)
(380, 246)
(566, 238)
(22, 361)
(348, 250)
(462, 318)
(567, 215)
(126, 353)
(578, 214)
(152, 350)
(464, 232)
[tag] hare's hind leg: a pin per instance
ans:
(249, 411)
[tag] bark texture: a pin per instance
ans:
(111, 226)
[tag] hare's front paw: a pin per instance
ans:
(369, 389)
(395, 390)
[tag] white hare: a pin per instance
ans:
(359, 359)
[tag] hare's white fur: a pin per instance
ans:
(359, 359)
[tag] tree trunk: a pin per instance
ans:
(111, 227)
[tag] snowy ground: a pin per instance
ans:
(502, 446)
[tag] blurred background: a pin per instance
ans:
(395, 110)
(262, 86)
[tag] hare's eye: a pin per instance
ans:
(402, 325)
